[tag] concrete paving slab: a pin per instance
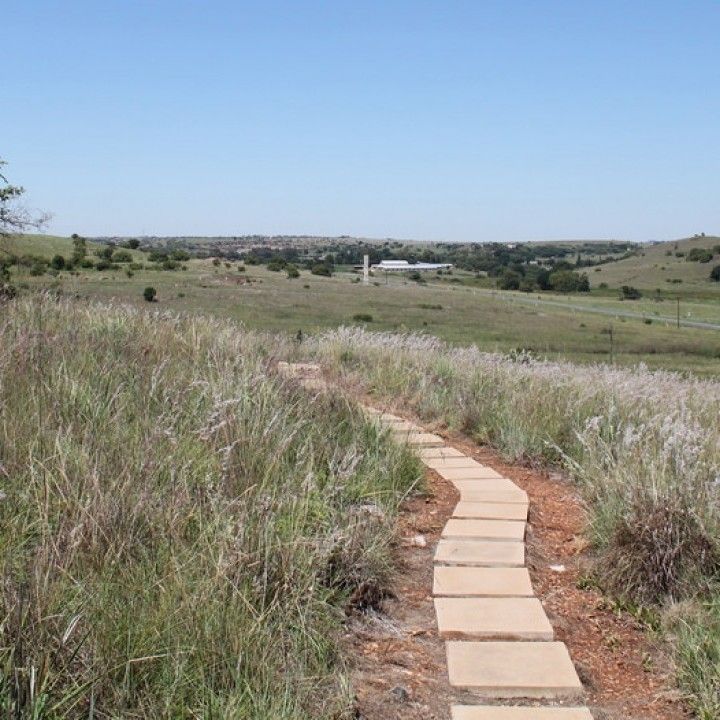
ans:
(385, 417)
(452, 462)
(497, 712)
(439, 452)
(314, 384)
(403, 426)
(484, 529)
(482, 553)
(486, 618)
(491, 511)
(481, 472)
(481, 494)
(417, 439)
(497, 484)
(457, 581)
(513, 669)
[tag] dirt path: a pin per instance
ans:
(400, 671)
(398, 660)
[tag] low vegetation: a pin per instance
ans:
(180, 528)
(644, 448)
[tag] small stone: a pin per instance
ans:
(419, 541)
(400, 694)
(558, 568)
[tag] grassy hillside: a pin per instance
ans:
(179, 527)
(454, 307)
(655, 266)
(644, 449)
(42, 245)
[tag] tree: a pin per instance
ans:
(14, 218)
(149, 294)
(79, 248)
(510, 280)
(569, 281)
(630, 293)
(58, 262)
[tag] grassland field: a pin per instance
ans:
(460, 308)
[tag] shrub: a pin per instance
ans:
(363, 317)
(122, 256)
(510, 280)
(149, 294)
(58, 262)
(321, 269)
(105, 264)
(700, 255)
(569, 281)
(292, 271)
(715, 274)
(630, 293)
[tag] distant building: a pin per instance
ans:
(405, 266)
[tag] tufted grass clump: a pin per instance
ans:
(180, 528)
(643, 447)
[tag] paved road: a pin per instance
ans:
(612, 313)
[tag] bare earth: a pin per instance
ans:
(399, 669)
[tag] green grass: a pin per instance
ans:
(652, 267)
(643, 448)
(469, 313)
(179, 527)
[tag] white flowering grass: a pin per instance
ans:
(643, 446)
(179, 527)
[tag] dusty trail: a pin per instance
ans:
(491, 620)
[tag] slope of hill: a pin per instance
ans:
(662, 265)
(41, 245)
(179, 527)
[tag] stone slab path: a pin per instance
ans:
(500, 643)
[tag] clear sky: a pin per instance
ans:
(473, 121)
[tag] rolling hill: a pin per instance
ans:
(664, 266)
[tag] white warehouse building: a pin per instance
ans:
(405, 266)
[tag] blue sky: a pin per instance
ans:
(470, 121)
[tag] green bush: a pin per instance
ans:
(321, 269)
(363, 317)
(149, 294)
(715, 273)
(292, 271)
(630, 293)
(58, 262)
(569, 281)
(122, 256)
(700, 255)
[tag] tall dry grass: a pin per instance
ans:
(643, 446)
(179, 526)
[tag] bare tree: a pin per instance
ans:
(14, 216)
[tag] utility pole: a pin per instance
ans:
(366, 269)
(678, 312)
